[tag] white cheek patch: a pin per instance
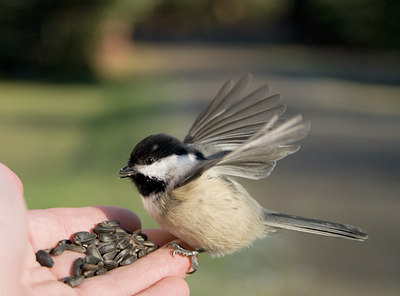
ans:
(169, 168)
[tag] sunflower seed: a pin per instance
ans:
(100, 229)
(84, 236)
(110, 264)
(89, 273)
(44, 258)
(141, 253)
(107, 247)
(137, 231)
(109, 223)
(107, 237)
(139, 248)
(129, 247)
(149, 244)
(77, 267)
(64, 242)
(59, 250)
(122, 243)
(110, 255)
(75, 248)
(101, 271)
(92, 259)
(151, 249)
(121, 254)
(122, 235)
(73, 281)
(93, 251)
(119, 229)
(67, 279)
(88, 243)
(128, 259)
(137, 239)
(88, 266)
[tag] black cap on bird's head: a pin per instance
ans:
(157, 147)
(158, 162)
(151, 149)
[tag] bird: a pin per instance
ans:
(192, 189)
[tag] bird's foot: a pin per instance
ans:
(189, 253)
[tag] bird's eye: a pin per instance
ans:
(149, 160)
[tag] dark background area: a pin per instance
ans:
(60, 39)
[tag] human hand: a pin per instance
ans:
(27, 231)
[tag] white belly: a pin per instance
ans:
(207, 214)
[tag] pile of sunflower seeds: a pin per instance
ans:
(107, 247)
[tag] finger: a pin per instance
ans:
(158, 236)
(50, 287)
(131, 279)
(47, 227)
(170, 286)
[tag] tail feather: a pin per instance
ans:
(280, 220)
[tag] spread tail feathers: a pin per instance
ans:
(285, 221)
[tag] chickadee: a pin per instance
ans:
(188, 187)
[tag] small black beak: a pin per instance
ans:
(126, 172)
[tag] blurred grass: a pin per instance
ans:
(67, 142)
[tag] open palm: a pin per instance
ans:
(27, 231)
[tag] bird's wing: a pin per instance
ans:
(232, 118)
(256, 158)
(244, 136)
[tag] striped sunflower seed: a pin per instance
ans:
(128, 259)
(76, 248)
(107, 237)
(107, 247)
(92, 259)
(73, 281)
(83, 236)
(109, 255)
(101, 271)
(150, 249)
(77, 267)
(92, 250)
(110, 223)
(110, 264)
(122, 243)
(100, 229)
(89, 273)
(59, 250)
(64, 242)
(88, 266)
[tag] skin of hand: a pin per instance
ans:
(26, 231)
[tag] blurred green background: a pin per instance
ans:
(81, 82)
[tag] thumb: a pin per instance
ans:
(13, 220)
(12, 176)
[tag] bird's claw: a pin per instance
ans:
(188, 253)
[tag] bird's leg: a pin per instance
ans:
(189, 253)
